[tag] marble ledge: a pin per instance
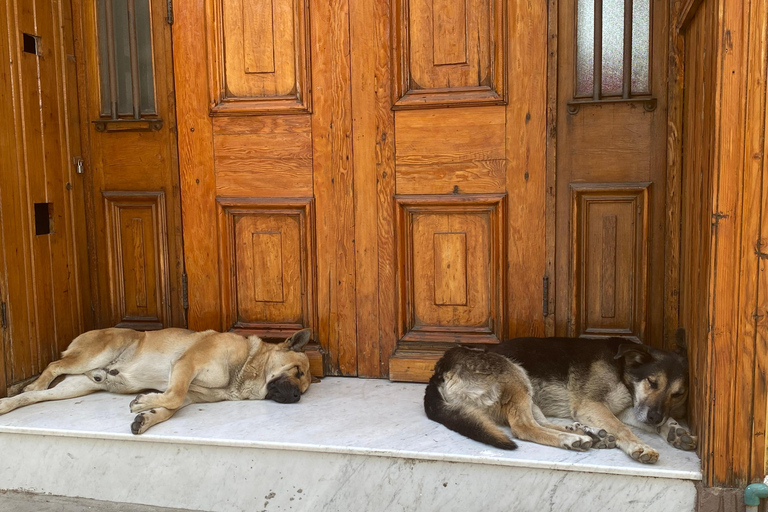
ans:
(342, 416)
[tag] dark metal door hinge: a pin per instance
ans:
(545, 296)
(169, 12)
(3, 316)
(184, 291)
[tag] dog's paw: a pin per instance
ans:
(576, 442)
(141, 403)
(643, 453)
(142, 422)
(681, 438)
(600, 438)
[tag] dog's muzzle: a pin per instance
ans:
(283, 390)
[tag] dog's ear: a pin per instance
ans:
(681, 347)
(634, 354)
(299, 340)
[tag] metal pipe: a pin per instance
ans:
(597, 77)
(752, 495)
(626, 85)
(111, 59)
(133, 48)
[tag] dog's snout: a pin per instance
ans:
(283, 390)
(655, 417)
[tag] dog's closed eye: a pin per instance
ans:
(653, 383)
(677, 394)
(299, 373)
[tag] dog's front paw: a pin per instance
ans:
(600, 438)
(643, 453)
(681, 438)
(141, 403)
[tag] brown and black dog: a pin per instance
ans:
(186, 367)
(604, 383)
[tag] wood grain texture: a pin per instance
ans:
(259, 57)
(267, 265)
(137, 249)
(333, 172)
(528, 173)
(41, 276)
(198, 183)
(451, 151)
(450, 257)
(258, 26)
(374, 184)
(449, 32)
(610, 251)
(263, 156)
(449, 53)
(611, 143)
(673, 186)
(723, 205)
(428, 308)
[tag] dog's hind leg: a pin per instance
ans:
(520, 415)
(71, 387)
(87, 352)
(143, 421)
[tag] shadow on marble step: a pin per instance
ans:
(11, 501)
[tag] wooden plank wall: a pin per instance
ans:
(723, 262)
(46, 284)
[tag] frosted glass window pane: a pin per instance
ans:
(613, 46)
(144, 43)
(101, 21)
(641, 20)
(585, 47)
(122, 56)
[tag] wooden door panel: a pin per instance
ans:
(450, 151)
(451, 252)
(44, 292)
(609, 261)
(267, 270)
(263, 156)
(404, 234)
(260, 58)
(449, 52)
(138, 259)
(609, 237)
(135, 215)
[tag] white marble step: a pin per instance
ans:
(349, 444)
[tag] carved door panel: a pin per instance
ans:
(611, 140)
(367, 169)
(127, 104)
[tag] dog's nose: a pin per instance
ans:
(655, 417)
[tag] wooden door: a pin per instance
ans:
(44, 291)
(372, 169)
(610, 152)
(132, 165)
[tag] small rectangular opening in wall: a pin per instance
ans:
(30, 43)
(43, 218)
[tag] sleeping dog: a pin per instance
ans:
(186, 367)
(604, 383)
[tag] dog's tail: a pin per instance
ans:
(473, 424)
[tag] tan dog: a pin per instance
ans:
(185, 366)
